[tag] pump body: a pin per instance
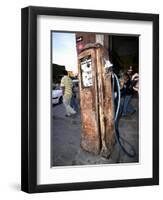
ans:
(96, 102)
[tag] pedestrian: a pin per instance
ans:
(134, 79)
(135, 82)
(74, 99)
(130, 72)
(66, 85)
(126, 94)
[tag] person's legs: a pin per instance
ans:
(69, 109)
(130, 108)
(127, 108)
(65, 102)
(121, 105)
(125, 105)
(73, 103)
(76, 105)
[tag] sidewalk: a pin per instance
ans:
(66, 133)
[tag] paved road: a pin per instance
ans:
(66, 133)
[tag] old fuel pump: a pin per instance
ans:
(97, 107)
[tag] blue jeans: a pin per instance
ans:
(74, 103)
(126, 107)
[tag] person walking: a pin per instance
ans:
(135, 80)
(126, 94)
(66, 85)
(75, 98)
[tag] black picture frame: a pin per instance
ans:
(29, 99)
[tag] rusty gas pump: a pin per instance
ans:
(97, 107)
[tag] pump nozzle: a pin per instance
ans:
(108, 66)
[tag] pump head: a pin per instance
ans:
(108, 66)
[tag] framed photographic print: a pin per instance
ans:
(90, 99)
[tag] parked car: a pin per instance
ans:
(57, 95)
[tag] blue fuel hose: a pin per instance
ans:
(119, 139)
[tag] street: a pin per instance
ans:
(65, 143)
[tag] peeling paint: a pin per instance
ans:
(96, 103)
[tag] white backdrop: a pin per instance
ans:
(10, 79)
(48, 175)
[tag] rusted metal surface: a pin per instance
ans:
(87, 38)
(90, 138)
(97, 106)
(100, 94)
(106, 113)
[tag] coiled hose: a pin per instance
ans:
(119, 139)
